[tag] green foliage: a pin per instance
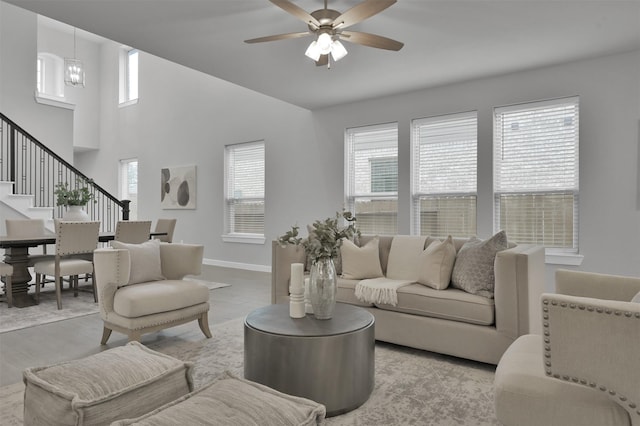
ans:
(326, 237)
(73, 197)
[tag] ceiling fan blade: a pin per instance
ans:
(296, 11)
(371, 40)
(324, 60)
(277, 37)
(360, 12)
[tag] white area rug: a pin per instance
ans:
(412, 387)
(47, 311)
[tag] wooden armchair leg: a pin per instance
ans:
(106, 333)
(203, 322)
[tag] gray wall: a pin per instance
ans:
(186, 117)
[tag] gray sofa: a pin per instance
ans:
(448, 321)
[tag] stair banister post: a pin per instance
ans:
(125, 209)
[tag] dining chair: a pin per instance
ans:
(6, 271)
(133, 231)
(72, 238)
(168, 226)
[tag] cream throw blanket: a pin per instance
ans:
(380, 290)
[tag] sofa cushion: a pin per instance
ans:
(345, 292)
(360, 262)
(142, 299)
(404, 257)
(450, 304)
(145, 261)
(436, 264)
(473, 271)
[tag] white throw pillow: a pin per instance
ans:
(436, 264)
(359, 263)
(636, 298)
(145, 261)
(404, 257)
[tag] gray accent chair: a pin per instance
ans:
(585, 367)
(146, 307)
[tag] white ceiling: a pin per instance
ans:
(445, 41)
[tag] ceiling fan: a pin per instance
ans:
(329, 25)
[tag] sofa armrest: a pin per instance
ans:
(595, 343)
(281, 259)
(598, 286)
(111, 267)
(179, 260)
(519, 283)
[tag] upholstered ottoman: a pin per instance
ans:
(237, 402)
(119, 383)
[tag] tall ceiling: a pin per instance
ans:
(445, 41)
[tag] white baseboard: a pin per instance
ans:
(237, 265)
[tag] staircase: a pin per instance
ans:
(29, 173)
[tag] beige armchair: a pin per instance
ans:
(585, 368)
(136, 302)
(168, 226)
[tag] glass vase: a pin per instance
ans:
(322, 287)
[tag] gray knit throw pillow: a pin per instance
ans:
(473, 270)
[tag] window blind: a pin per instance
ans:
(245, 188)
(536, 179)
(445, 175)
(371, 186)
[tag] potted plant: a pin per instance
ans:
(322, 245)
(74, 199)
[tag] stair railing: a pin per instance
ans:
(36, 170)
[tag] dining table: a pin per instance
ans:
(16, 253)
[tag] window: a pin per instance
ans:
(536, 173)
(129, 75)
(444, 175)
(129, 185)
(244, 209)
(371, 178)
(50, 75)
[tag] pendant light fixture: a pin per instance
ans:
(73, 68)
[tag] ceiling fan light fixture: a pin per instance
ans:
(325, 43)
(338, 51)
(313, 51)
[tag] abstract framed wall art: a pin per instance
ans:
(178, 187)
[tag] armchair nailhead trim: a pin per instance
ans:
(547, 347)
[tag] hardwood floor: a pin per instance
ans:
(78, 337)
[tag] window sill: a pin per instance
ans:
(128, 103)
(55, 101)
(244, 238)
(569, 259)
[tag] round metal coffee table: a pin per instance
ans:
(328, 361)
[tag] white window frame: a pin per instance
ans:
(123, 186)
(128, 77)
(231, 198)
(352, 193)
(505, 184)
(50, 81)
(453, 130)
